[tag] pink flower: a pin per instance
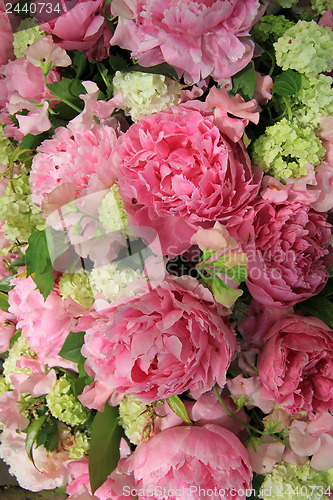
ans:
(251, 388)
(73, 156)
(45, 331)
(6, 36)
(196, 38)
(324, 178)
(10, 411)
(161, 343)
(186, 458)
(327, 19)
(178, 174)
(289, 254)
(7, 329)
(82, 28)
(295, 365)
(262, 92)
(47, 51)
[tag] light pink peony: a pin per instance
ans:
(182, 459)
(178, 174)
(82, 28)
(289, 254)
(198, 39)
(161, 343)
(295, 365)
(74, 156)
(44, 330)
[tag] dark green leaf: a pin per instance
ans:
(32, 432)
(321, 308)
(51, 430)
(104, 446)
(118, 63)
(256, 485)
(71, 349)
(160, 69)
(4, 301)
(287, 83)
(244, 82)
(178, 407)
(60, 491)
(80, 62)
(37, 254)
(44, 283)
(30, 141)
(14, 338)
(106, 16)
(67, 89)
(17, 263)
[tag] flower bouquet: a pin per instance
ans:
(166, 207)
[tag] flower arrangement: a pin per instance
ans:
(166, 248)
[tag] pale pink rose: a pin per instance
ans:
(161, 343)
(44, 330)
(82, 28)
(73, 156)
(7, 329)
(169, 459)
(295, 365)
(289, 253)
(49, 472)
(197, 38)
(225, 106)
(178, 174)
(48, 52)
(10, 411)
(251, 388)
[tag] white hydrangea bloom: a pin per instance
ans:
(6, 147)
(27, 33)
(81, 446)
(113, 282)
(77, 286)
(64, 405)
(145, 93)
(315, 100)
(20, 348)
(133, 418)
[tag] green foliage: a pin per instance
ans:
(32, 432)
(104, 453)
(287, 83)
(39, 263)
(244, 82)
(4, 301)
(71, 350)
(320, 307)
(178, 407)
(48, 435)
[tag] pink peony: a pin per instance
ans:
(198, 39)
(73, 156)
(82, 28)
(161, 343)
(184, 459)
(295, 365)
(178, 174)
(289, 254)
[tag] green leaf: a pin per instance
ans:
(118, 63)
(104, 446)
(321, 308)
(51, 430)
(160, 69)
(71, 349)
(4, 301)
(37, 254)
(244, 82)
(287, 83)
(238, 273)
(223, 293)
(14, 338)
(67, 89)
(30, 141)
(178, 407)
(44, 283)
(256, 485)
(32, 432)
(80, 63)
(106, 16)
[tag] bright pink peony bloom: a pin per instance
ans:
(186, 458)
(45, 331)
(198, 39)
(161, 343)
(178, 174)
(295, 365)
(73, 156)
(289, 256)
(82, 28)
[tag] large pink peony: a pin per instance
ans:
(296, 365)
(178, 174)
(161, 343)
(196, 463)
(289, 253)
(198, 39)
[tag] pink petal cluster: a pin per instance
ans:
(289, 255)
(82, 28)
(7, 329)
(79, 157)
(295, 365)
(178, 174)
(6, 36)
(186, 458)
(198, 39)
(161, 343)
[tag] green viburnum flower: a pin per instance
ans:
(80, 447)
(21, 216)
(270, 28)
(112, 214)
(145, 93)
(285, 148)
(112, 282)
(305, 47)
(6, 147)
(64, 405)
(27, 33)
(293, 482)
(4, 386)
(133, 418)
(20, 348)
(314, 100)
(321, 6)
(77, 286)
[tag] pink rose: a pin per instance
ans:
(161, 343)
(82, 28)
(295, 365)
(178, 174)
(289, 254)
(198, 39)
(186, 458)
